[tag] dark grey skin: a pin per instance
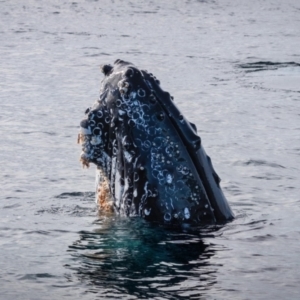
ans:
(149, 157)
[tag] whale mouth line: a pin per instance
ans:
(149, 157)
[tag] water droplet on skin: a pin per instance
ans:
(160, 116)
(187, 214)
(152, 99)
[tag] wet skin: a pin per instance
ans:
(149, 158)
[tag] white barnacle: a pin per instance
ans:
(127, 156)
(141, 92)
(135, 193)
(123, 86)
(147, 211)
(132, 95)
(136, 177)
(95, 140)
(118, 102)
(167, 216)
(169, 178)
(187, 214)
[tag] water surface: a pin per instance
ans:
(233, 69)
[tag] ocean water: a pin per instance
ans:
(233, 68)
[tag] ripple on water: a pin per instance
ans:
(68, 205)
(133, 257)
(259, 163)
(273, 76)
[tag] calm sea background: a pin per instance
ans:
(233, 68)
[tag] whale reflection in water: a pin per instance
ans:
(129, 256)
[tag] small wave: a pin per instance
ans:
(12, 206)
(97, 54)
(36, 276)
(261, 238)
(42, 232)
(145, 12)
(75, 194)
(77, 33)
(233, 189)
(266, 65)
(259, 162)
(36, 131)
(268, 176)
(70, 210)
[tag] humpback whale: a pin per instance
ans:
(149, 159)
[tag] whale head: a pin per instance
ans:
(146, 153)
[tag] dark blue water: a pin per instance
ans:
(233, 69)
